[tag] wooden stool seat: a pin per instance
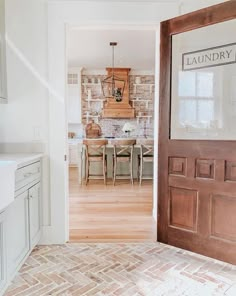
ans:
(123, 152)
(146, 156)
(95, 151)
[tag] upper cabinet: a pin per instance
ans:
(3, 72)
(74, 97)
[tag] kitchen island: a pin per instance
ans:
(80, 158)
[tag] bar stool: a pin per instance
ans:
(95, 151)
(146, 156)
(123, 152)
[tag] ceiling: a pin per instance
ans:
(91, 49)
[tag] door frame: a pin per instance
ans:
(126, 27)
(198, 19)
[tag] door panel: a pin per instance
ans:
(197, 178)
(223, 228)
(17, 232)
(183, 208)
(34, 214)
(3, 261)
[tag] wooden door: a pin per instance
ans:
(197, 178)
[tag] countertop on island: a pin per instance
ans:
(21, 159)
(110, 139)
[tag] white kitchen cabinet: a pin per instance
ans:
(23, 223)
(17, 235)
(3, 263)
(73, 154)
(74, 98)
(34, 214)
(20, 222)
(3, 74)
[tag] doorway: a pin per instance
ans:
(98, 212)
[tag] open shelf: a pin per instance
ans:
(150, 85)
(148, 117)
(89, 101)
(95, 100)
(141, 101)
(87, 116)
(91, 83)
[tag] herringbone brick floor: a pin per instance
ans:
(127, 269)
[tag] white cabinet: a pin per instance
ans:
(3, 276)
(23, 223)
(20, 223)
(3, 74)
(74, 97)
(73, 154)
(17, 235)
(74, 104)
(34, 214)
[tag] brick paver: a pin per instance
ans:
(121, 269)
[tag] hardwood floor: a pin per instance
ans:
(100, 213)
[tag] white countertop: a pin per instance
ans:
(7, 182)
(110, 140)
(20, 158)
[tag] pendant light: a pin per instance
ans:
(113, 86)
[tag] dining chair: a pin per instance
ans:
(95, 152)
(145, 156)
(123, 153)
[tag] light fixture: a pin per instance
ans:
(113, 86)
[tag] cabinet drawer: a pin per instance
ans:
(27, 174)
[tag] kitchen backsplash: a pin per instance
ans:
(113, 128)
(141, 96)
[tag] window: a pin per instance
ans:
(195, 91)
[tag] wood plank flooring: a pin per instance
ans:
(100, 213)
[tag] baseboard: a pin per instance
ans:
(48, 237)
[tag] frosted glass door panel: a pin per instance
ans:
(203, 94)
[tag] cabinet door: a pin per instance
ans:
(2, 251)
(34, 214)
(73, 154)
(3, 82)
(17, 234)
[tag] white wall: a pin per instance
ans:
(25, 117)
(187, 6)
(24, 120)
